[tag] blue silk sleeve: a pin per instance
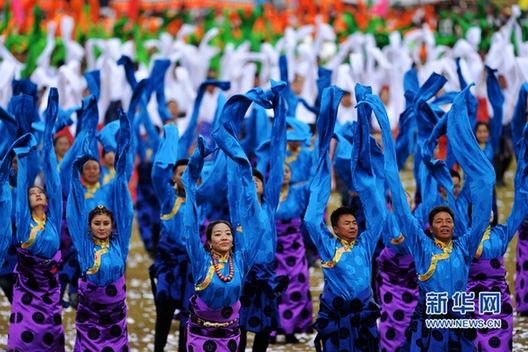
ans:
(93, 80)
(188, 136)
(51, 174)
(124, 211)
(519, 117)
(22, 145)
(198, 256)
(76, 212)
(129, 70)
(320, 186)
(496, 98)
(415, 239)
(162, 168)
(479, 172)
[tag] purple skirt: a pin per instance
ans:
(489, 275)
(36, 314)
(201, 337)
(398, 292)
(101, 317)
(521, 279)
(295, 304)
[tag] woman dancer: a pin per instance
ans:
(101, 314)
(259, 312)
(295, 304)
(36, 314)
(219, 274)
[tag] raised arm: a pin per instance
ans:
(26, 142)
(162, 168)
(320, 186)
(415, 238)
(496, 98)
(197, 254)
(364, 179)
(479, 172)
(124, 210)
(501, 235)
(76, 212)
(51, 174)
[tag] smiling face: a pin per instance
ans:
(37, 198)
(347, 227)
(443, 226)
(221, 239)
(101, 226)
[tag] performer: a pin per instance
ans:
(347, 315)
(447, 269)
(218, 274)
(36, 314)
(397, 285)
(259, 312)
(170, 273)
(101, 314)
(295, 304)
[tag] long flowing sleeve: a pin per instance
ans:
(519, 116)
(124, 211)
(197, 254)
(23, 213)
(501, 235)
(364, 179)
(479, 172)
(415, 238)
(84, 128)
(249, 209)
(76, 212)
(22, 145)
(51, 174)
(162, 168)
(320, 186)
(188, 136)
(496, 98)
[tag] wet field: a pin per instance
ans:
(141, 312)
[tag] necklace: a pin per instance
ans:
(231, 269)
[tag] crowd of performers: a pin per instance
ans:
(232, 180)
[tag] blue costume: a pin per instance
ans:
(259, 311)
(444, 267)
(101, 318)
(37, 292)
(170, 273)
(347, 315)
(213, 293)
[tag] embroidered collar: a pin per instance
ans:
(102, 243)
(284, 193)
(345, 243)
(222, 258)
(90, 190)
(445, 247)
(40, 222)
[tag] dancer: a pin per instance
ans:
(101, 314)
(447, 269)
(219, 273)
(295, 304)
(36, 314)
(347, 315)
(259, 313)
